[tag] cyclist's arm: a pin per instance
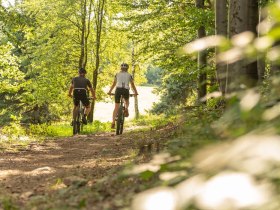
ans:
(133, 87)
(70, 90)
(112, 87)
(92, 92)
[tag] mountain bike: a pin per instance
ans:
(77, 121)
(120, 115)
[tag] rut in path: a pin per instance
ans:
(36, 169)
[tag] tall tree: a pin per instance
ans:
(243, 16)
(202, 58)
(261, 61)
(99, 13)
(86, 12)
(253, 20)
(221, 11)
(134, 65)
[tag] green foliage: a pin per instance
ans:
(14, 129)
(7, 204)
(154, 121)
(153, 75)
(176, 87)
(97, 127)
(64, 130)
(161, 29)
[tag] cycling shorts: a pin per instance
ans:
(80, 95)
(121, 92)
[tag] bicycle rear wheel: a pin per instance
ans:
(122, 123)
(81, 114)
(77, 123)
(75, 127)
(120, 120)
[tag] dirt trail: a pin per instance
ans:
(37, 169)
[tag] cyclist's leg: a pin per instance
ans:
(76, 102)
(126, 99)
(86, 104)
(115, 112)
(75, 111)
(87, 110)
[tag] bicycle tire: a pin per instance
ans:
(78, 123)
(122, 122)
(81, 122)
(74, 127)
(119, 120)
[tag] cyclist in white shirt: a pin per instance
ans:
(121, 82)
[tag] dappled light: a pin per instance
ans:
(212, 95)
(272, 113)
(158, 198)
(230, 56)
(250, 100)
(243, 39)
(263, 43)
(274, 54)
(202, 44)
(232, 191)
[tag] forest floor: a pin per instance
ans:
(79, 172)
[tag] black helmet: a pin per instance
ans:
(125, 65)
(82, 71)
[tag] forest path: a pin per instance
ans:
(41, 168)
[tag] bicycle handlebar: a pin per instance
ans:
(131, 95)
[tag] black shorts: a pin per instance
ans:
(80, 95)
(121, 92)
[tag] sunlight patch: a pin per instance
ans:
(42, 170)
(161, 198)
(204, 43)
(250, 100)
(6, 173)
(243, 39)
(232, 191)
(272, 113)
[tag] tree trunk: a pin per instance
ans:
(202, 59)
(253, 20)
(261, 61)
(136, 108)
(237, 24)
(99, 15)
(83, 31)
(88, 32)
(243, 16)
(221, 29)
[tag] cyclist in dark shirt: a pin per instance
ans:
(80, 86)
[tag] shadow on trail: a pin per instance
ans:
(39, 168)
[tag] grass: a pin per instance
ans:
(65, 130)
(15, 137)
(153, 121)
